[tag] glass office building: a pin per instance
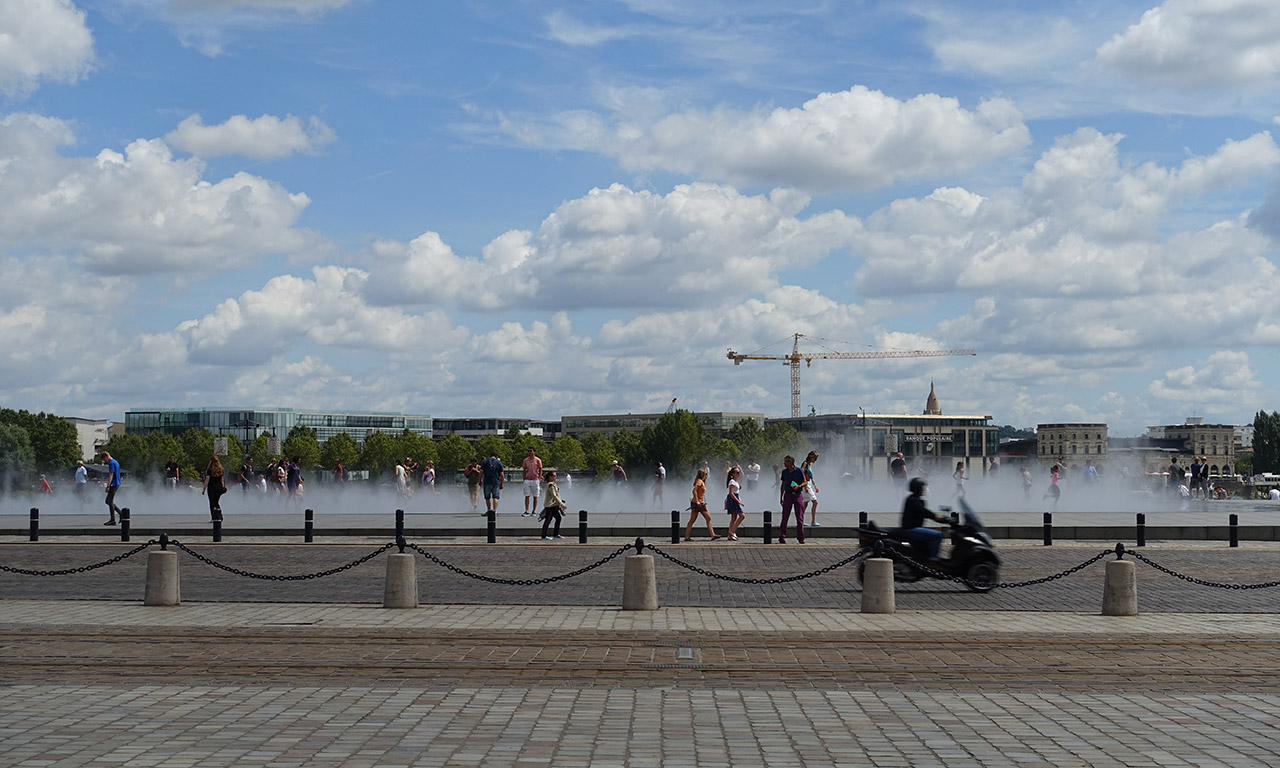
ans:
(248, 423)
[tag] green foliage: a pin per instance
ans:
(677, 440)
(420, 448)
(567, 453)
(744, 432)
(1244, 466)
(1010, 432)
(522, 443)
(17, 457)
(260, 452)
(455, 452)
(600, 454)
(52, 438)
(724, 449)
(131, 451)
(489, 443)
(301, 443)
(380, 453)
(160, 447)
(512, 433)
(197, 444)
(781, 439)
(1266, 442)
(341, 448)
(631, 452)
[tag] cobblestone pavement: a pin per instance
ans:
(1081, 591)
(102, 684)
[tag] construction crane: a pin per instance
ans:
(796, 356)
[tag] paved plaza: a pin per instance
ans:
(248, 672)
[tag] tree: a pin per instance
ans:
(301, 443)
(418, 447)
(566, 453)
(53, 439)
(455, 452)
(630, 451)
(490, 443)
(339, 448)
(677, 440)
(130, 450)
(235, 455)
(724, 449)
(523, 442)
(259, 450)
(744, 432)
(599, 452)
(379, 454)
(160, 446)
(782, 438)
(197, 444)
(17, 457)
(1266, 442)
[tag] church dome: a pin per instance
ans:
(931, 407)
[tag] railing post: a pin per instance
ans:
(582, 526)
(308, 525)
(1142, 530)
(862, 519)
(217, 529)
(675, 526)
(1048, 529)
(768, 526)
(1233, 526)
(35, 524)
(399, 523)
(491, 526)
(124, 524)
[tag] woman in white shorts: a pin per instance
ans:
(809, 496)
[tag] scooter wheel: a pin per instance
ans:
(982, 576)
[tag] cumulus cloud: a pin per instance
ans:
(1225, 379)
(262, 138)
(42, 40)
(859, 139)
(137, 211)
(619, 247)
(1199, 44)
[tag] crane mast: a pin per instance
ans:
(793, 360)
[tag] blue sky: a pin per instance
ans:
(537, 209)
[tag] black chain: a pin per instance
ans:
(273, 577)
(82, 568)
(1201, 582)
(779, 580)
(1011, 585)
(518, 582)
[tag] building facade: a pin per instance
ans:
(248, 423)
(717, 423)
(1215, 442)
(473, 429)
(1074, 442)
(90, 435)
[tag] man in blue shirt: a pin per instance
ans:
(113, 485)
(493, 481)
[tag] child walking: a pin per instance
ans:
(733, 503)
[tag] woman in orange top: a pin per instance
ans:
(698, 506)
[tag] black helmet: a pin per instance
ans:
(916, 486)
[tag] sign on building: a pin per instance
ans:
(273, 446)
(220, 446)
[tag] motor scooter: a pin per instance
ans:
(972, 557)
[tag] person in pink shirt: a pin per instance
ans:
(532, 474)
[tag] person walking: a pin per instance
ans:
(698, 506)
(809, 494)
(171, 474)
(1027, 482)
(113, 485)
(959, 476)
(733, 503)
(553, 507)
(790, 486)
(473, 474)
(659, 480)
(214, 486)
(493, 480)
(82, 480)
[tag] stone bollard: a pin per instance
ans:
(401, 587)
(163, 587)
(639, 587)
(1120, 590)
(877, 586)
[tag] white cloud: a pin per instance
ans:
(42, 40)
(565, 29)
(262, 138)
(140, 211)
(1225, 380)
(859, 139)
(617, 247)
(205, 24)
(1200, 44)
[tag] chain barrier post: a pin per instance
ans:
(491, 526)
(400, 589)
(1048, 529)
(877, 585)
(163, 587)
(675, 526)
(582, 526)
(308, 525)
(1120, 587)
(217, 529)
(399, 523)
(1142, 530)
(1233, 529)
(124, 524)
(35, 524)
(768, 526)
(862, 519)
(639, 586)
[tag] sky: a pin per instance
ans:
(536, 209)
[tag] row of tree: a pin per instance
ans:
(1266, 442)
(677, 440)
(35, 442)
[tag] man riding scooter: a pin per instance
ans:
(914, 513)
